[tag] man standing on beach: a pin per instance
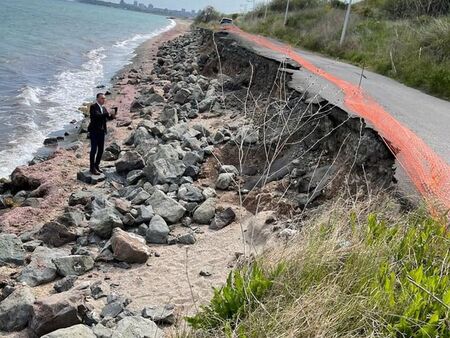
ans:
(97, 132)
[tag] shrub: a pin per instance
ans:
(207, 15)
(244, 288)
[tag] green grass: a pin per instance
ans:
(415, 51)
(354, 271)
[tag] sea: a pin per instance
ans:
(53, 55)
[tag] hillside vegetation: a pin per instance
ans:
(408, 40)
(355, 270)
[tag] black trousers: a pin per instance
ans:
(97, 146)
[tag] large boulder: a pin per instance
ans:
(15, 310)
(11, 250)
(205, 212)
(41, 268)
(76, 331)
(137, 327)
(166, 207)
(103, 221)
(128, 247)
(87, 177)
(73, 265)
(57, 311)
(157, 231)
(131, 160)
(190, 193)
(55, 234)
(163, 171)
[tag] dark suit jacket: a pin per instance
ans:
(98, 119)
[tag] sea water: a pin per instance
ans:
(53, 54)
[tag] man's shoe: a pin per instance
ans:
(98, 169)
(94, 172)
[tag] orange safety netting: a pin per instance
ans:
(427, 170)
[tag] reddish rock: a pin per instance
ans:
(128, 247)
(57, 311)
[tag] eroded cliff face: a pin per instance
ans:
(313, 148)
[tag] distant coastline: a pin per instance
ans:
(140, 7)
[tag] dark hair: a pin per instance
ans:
(98, 95)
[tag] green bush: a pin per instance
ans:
(244, 288)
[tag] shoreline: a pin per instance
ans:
(73, 151)
(65, 134)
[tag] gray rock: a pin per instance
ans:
(166, 207)
(182, 96)
(104, 220)
(11, 250)
(227, 168)
(190, 193)
(187, 238)
(41, 268)
(209, 192)
(55, 234)
(73, 265)
(86, 177)
(140, 198)
(169, 116)
(16, 309)
(192, 158)
(137, 327)
(76, 331)
(191, 171)
(157, 231)
(102, 331)
(65, 284)
(164, 171)
(81, 197)
(112, 309)
(222, 219)
(72, 217)
(160, 314)
(131, 160)
(152, 98)
(32, 245)
(206, 104)
(145, 214)
(205, 212)
(224, 181)
(134, 176)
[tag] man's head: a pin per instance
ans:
(101, 98)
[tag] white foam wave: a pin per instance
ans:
(29, 95)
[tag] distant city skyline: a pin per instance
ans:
(227, 6)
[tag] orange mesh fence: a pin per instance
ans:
(427, 170)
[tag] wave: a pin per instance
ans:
(45, 109)
(29, 95)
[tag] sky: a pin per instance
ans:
(227, 6)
